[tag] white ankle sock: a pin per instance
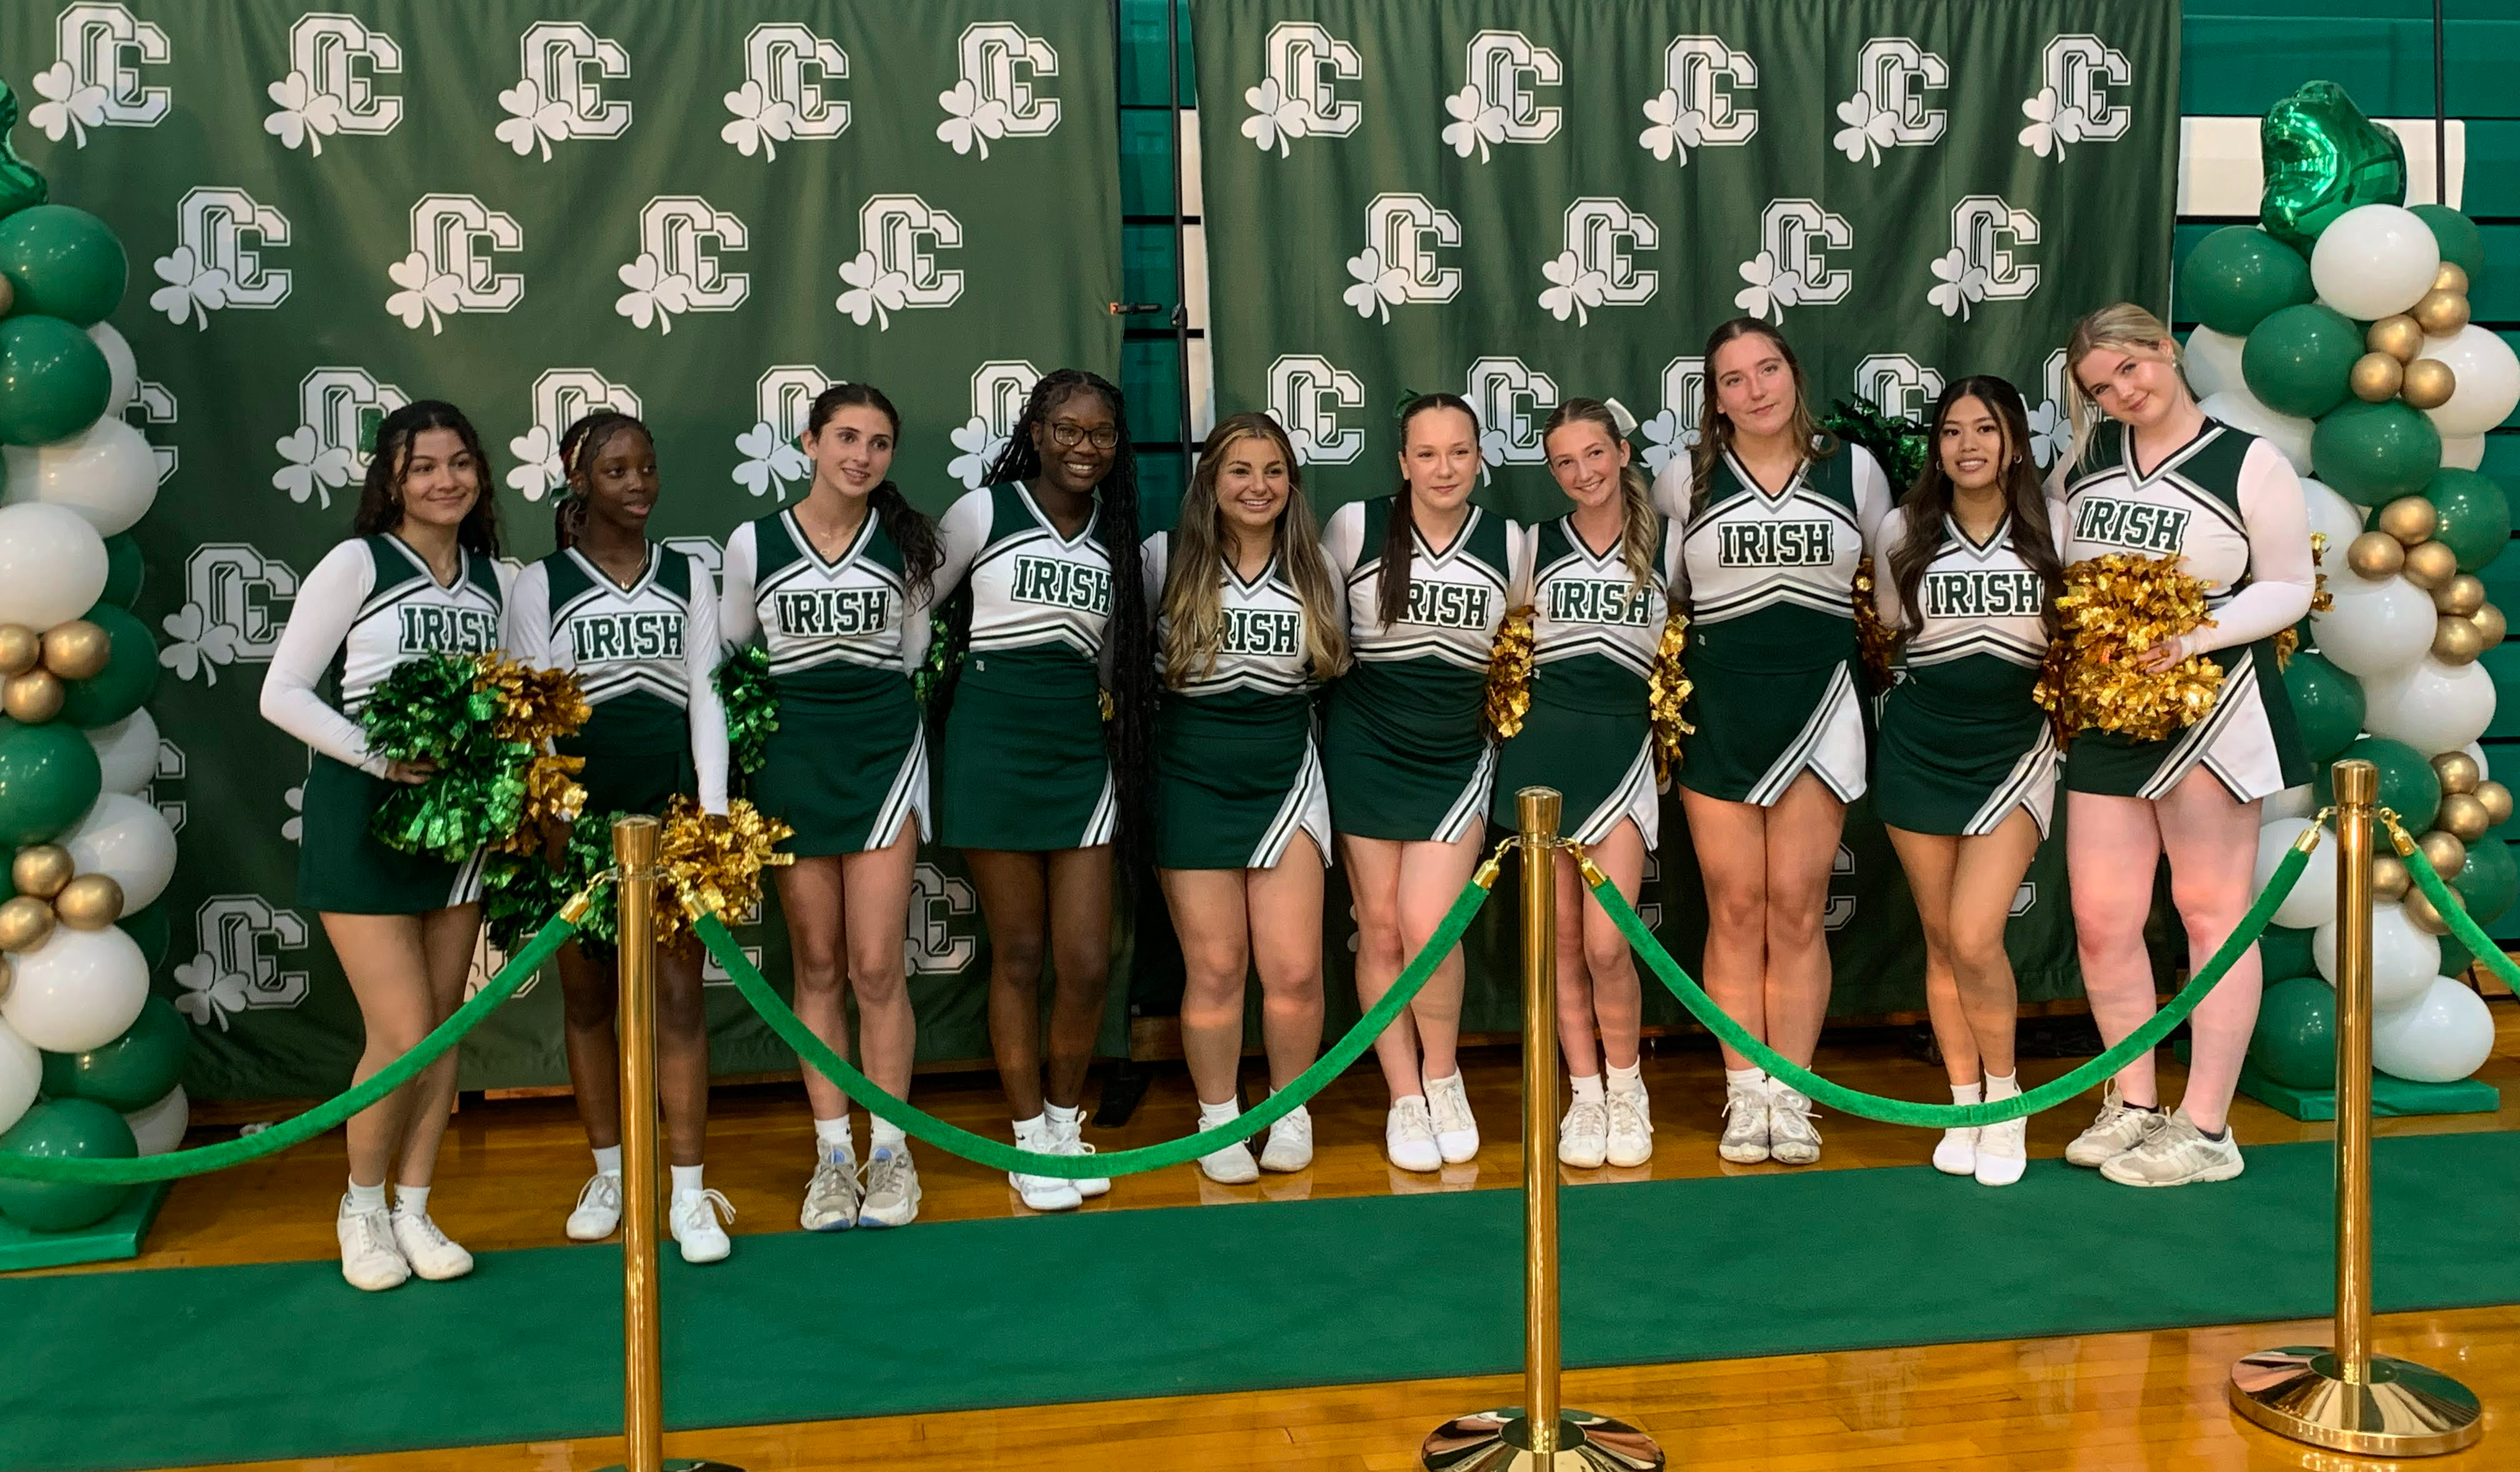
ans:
(832, 1134)
(1588, 1091)
(1744, 1077)
(1627, 1080)
(1212, 1115)
(1968, 1093)
(412, 1200)
(607, 1161)
(366, 1198)
(884, 1135)
(686, 1180)
(1063, 1116)
(2002, 1085)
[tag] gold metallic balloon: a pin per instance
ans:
(2431, 566)
(2456, 772)
(2412, 519)
(20, 649)
(78, 649)
(2441, 313)
(2488, 622)
(2445, 851)
(2429, 384)
(41, 869)
(2451, 276)
(2422, 915)
(32, 697)
(2462, 596)
(2389, 877)
(2465, 817)
(2457, 641)
(2375, 378)
(2375, 555)
(25, 924)
(92, 902)
(2497, 799)
(2400, 337)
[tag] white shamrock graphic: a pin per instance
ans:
(1667, 438)
(654, 292)
(305, 115)
(1475, 124)
(424, 293)
(1673, 130)
(1770, 290)
(199, 645)
(1375, 286)
(1868, 129)
(1962, 286)
(768, 458)
(758, 122)
(190, 290)
(531, 119)
(311, 469)
(981, 450)
(67, 106)
(970, 122)
(873, 292)
(1275, 116)
(208, 992)
(537, 463)
(2052, 124)
(295, 829)
(2051, 432)
(1573, 290)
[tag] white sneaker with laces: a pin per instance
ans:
(598, 1213)
(427, 1249)
(1070, 1140)
(1044, 1192)
(1631, 1135)
(1745, 1123)
(891, 1189)
(2002, 1152)
(1457, 1130)
(1408, 1135)
(692, 1220)
(831, 1195)
(1584, 1135)
(1955, 1153)
(1291, 1143)
(370, 1260)
(2178, 1154)
(2118, 1129)
(1791, 1137)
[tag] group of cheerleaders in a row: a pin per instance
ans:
(1247, 696)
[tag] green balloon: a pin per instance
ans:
(129, 677)
(65, 263)
(2373, 454)
(2406, 781)
(2456, 956)
(73, 1128)
(2283, 951)
(2323, 157)
(2326, 705)
(49, 778)
(2462, 244)
(2238, 274)
(2475, 517)
(2300, 360)
(123, 570)
(131, 1072)
(2295, 1043)
(2488, 881)
(53, 380)
(153, 931)
(19, 185)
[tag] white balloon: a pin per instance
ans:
(127, 839)
(2488, 380)
(2430, 705)
(2213, 361)
(2341, 520)
(81, 989)
(159, 1126)
(106, 473)
(2291, 802)
(2374, 260)
(2404, 958)
(2312, 900)
(22, 1076)
(123, 369)
(2238, 408)
(2462, 452)
(2484, 767)
(2376, 629)
(127, 750)
(2440, 1038)
(52, 564)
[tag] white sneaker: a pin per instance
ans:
(2117, 1130)
(1291, 1143)
(1231, 1166)
(891, 1189)
(1044, 1192)
(1457, 1131)
(1745, 1123)
(1070, 1140)
(692, 1217)
(1408, 1135)
(1631, 1135)
(370, 1260)
(1791, 1139)
(1955, 1153)
(427, 1249)
(2178, 1154)
(832, 1196)
(1584, 1135)
(2002, 1152)
(597, 1214)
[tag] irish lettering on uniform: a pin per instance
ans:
(1983, 595)
(1448, 605)
(642, 634)
(1594, 601)
(1774, 544)
(2137, 525)
(436, 629)
(812, 611)
(1262, 631)
(1062, 585)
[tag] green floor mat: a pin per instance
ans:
(178, 1366)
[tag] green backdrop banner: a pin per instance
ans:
(700, 214)
(1519, 200)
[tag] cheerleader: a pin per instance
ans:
(1600, 581)
(638, 625)
(1965, 578)
(2159, 478)
(1248, 622)
(838, 587)
(1777, 517)
(1037, 782)
(1426, 576)
(420, 576)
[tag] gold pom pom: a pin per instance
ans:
(1509, 697)
(1873, 639)
(2113, 609)
(1667, 693)
(712, 863)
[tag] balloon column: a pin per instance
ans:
(89, 1061)
(2339, 331)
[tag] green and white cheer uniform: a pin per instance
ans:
(1407, 756)
(2229, 504)
(368, 606)
(1588, 730)
(1024, 765)
(1236, 772)
(1962, 745)
(644, 655)
(849, 764)
(1769, 581)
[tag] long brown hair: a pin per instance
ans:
(381, 495)
(1715, 429)
(1399, 534)
(1193, 603)
(1928, 504)
(911, 529)
(1640, 525)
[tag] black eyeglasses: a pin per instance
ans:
(1068, 436)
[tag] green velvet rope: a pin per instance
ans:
(2461, 924)
(201, 1160)
(1954, 1116)
(985, 1151)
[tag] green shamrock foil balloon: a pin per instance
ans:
(2323, 157)
(20, 184)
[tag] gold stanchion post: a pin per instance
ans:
(1540, 1435)
(643, 1369)
(2345, 1398)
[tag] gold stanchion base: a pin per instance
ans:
(2400, 1410)
(1500, 1441)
